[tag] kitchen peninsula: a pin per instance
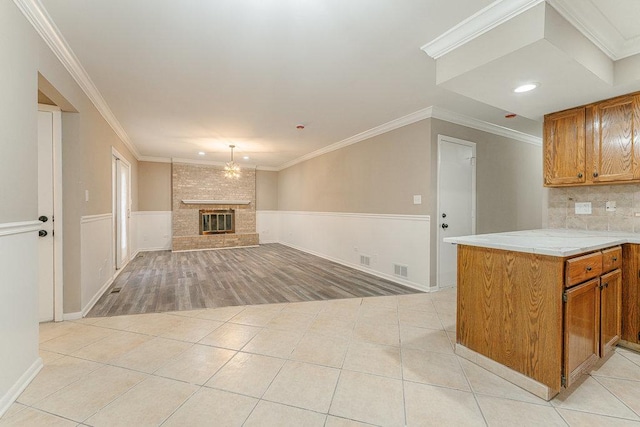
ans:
(541, 307)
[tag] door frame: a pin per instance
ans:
(58, 285)
(115, 155)
(443, 139)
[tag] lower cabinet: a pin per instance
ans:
(592, 314)
(610, 311)
(631, 295)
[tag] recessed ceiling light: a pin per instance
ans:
(201, 153)
(526, 87)
(246, 157)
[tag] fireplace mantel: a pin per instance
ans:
(216, 202)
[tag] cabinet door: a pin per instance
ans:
(613, 134)
(564, 147)
(610, 311)
(581, 329)
(631, 293)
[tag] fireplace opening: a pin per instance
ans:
(217, 221)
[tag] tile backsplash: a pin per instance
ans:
(561, 208)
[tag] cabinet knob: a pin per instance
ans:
(588, 268)
(579, 174)
(595, 174)
(615, 258)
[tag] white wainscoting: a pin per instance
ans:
(18, 309)
(387, 240)
(151, 230)
(96, 258)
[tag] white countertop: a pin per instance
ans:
(554, 242)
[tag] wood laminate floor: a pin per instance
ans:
(272, 273)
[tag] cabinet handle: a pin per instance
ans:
(595, 174)
(615, 258)
(579, 174)
(588, 268)
(605, 285)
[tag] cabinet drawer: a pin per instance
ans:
(583, 268)
(611, 259)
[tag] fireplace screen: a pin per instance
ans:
(217, 221)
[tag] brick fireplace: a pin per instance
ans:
(204, 188)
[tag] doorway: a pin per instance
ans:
(456, 202)
(50, 305)
(121, 177)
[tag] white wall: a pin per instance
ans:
(344, 237)
(148, 231)
(151, 231)
(19, 313)
(19, 359)
(97, 259)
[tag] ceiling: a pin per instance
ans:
(179, 77)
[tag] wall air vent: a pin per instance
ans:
(400, 270)
(365, 260)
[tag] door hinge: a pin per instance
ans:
(564, 297)
(563, 381)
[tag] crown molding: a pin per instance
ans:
(477, 24)
(209, 163)
(154, 159)
(425, 113)
(588, 19)
(38, 16)
(267, 168)
(470, 122)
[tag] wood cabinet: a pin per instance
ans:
(548, 318)
(610, 311)
(592, 323)
(565, 147)
(581, 329)
(593, 144)
(631, 295)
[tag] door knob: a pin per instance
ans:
(43, 218)
(445, 225)
(42, 233)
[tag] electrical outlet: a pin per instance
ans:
(610, 206)
(583, 208)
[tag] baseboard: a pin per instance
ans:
(153, 250)
(87, 308)
(532, 386)
(12, 395)
(72, 316)
(217, 249)
(389, 277)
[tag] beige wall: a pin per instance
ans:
(154, 186)
(379, 175)
(509, 178)
(18, 198)
(266, 190)
(508, 182)
(86, 147)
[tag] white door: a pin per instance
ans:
(456, 201)
(45, 213)
(122, 196)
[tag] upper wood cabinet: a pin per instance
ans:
(594, 144)
(564, 148)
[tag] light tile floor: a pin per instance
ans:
(384, 361)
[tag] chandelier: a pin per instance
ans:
(232, 169)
